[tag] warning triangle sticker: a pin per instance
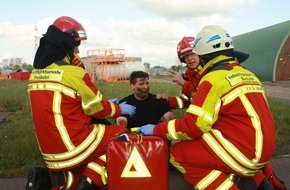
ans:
(135, 161)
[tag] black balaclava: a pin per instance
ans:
(240, 56)
(54, 46)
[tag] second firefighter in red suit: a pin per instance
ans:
(228, 127)
(188, 80)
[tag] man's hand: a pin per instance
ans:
(177, 77)
(127, 109)
(114, 100)
(163, 96)
(146, 129)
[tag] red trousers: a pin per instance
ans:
(95, 159)
(197, 163)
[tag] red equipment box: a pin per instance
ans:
(137, 162)
(20, 75)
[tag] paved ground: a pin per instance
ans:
(281, 164)
(278, 90)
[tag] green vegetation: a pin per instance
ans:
(18, 145)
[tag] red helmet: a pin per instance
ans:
(184, 47)
(70, 25)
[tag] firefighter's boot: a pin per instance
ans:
(84, 184)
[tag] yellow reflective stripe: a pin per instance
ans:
(257, 125)
(104, 175)
(52, 87)
(72, 161)
(173, 135)
(77, 150)
(59, 121)
(179, 102)
(241, 90)
(171, 130)
(96, 100)
(227, 184)
(176, 164)
(193, 109)
(95, 167)
(113, 108)
(225, 156)
(234, 152)
(101, 170)
(207, 180)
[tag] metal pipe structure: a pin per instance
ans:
(111, 64)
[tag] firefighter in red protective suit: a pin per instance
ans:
(188, 80)
(63, 102)
(228, 127)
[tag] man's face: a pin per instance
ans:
(141, 88)
(191, 60)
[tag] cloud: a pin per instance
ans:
(174, 9)
(152, 36)
(154, 40)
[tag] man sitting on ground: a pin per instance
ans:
(148, 108)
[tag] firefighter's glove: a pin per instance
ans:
(127, 109)
(114, 100)
(146, 129)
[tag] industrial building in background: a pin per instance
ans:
(269, 50)
(111, 65)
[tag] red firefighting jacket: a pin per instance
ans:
(63, 99)
(188, 90)
(230, 115)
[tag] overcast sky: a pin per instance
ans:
(150, 29)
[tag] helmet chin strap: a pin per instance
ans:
(201, 61)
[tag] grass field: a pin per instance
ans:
(18, 145)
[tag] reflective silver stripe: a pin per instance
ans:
(257, 125)
(82, 34)
(234, 152)
(207, 180)
(95, 167)
(241, 90)
(67, 155)
(69, 180)
(193, 109)
(59, 164)
(52, 87)
(225, 156)
(103, 157)
(227, 184)
(96, 100)
(59, 121)
(217, 107)
(184, 97)
(100, 170)
(179, 102)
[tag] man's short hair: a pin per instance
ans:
(137, 74)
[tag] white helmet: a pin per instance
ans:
(212, 38)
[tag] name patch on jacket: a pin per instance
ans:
(46, 74)
(241, 77)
